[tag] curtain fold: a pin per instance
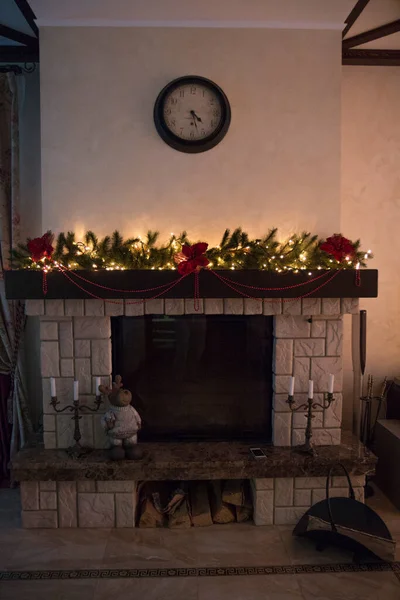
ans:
(12, 318)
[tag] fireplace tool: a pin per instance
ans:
(308, 408)
(76, 451)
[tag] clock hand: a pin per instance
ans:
(195, 116)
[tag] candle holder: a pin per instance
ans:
(76, 450)
(308, 408)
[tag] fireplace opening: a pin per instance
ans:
(197, 377)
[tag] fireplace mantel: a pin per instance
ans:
(25, 284)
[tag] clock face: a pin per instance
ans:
(192, 114)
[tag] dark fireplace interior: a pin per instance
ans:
(197, 377)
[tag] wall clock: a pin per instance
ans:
(192, 114)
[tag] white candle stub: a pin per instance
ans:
(97, 385)
(330, 383)
(52, 387)
(310, 388)
(291, 386)
(76, 390)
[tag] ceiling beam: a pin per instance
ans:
(374, 58)
(19, 54)
(17, 36)
(372, 34)
(28, 14)
(354, 14)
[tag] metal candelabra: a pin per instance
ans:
(76, 450)
(308, 408)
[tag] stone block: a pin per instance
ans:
(356, 480)
(50, 360)
(74, 308)
(288, 515)
(298, 436)
(309, 347)
(334, 338)
(49, 440)
(280, 384)
(67, 504)
(67, 367)
(321, 367)
(263, 506)
(331, 306)
(86, 486)
(318, 329)
(65, 431)
(96, 510)
(48, 486)
(213, 306)
(101, 357)
(281, 428)
(134, 308)
(101, 439)
(320, 494)
(307, 483)
(116, 486)
(263, 483)
(272, 306)
(92, 328)
(279, 403)
(359, 494)
(302, 497)
(300, 419)
(43, 519)
(125, 505)
(66, 340)
(326, 437)
(94, 308)
(29, 491)
(283, 491)
(333, 414)
(49, 423)
(83, 374)
(154, 307)
(174, 306)
(349, 306)
(301, 371)
(291, 307)
(54, 308)
(114, 308)
(283, 357)
(48, 330)
(48, 500)
(34, 308)
(253, 306)
(233, 306)
(311, 306)
(290, 326)
(82, 348)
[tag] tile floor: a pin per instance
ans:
(220, 546)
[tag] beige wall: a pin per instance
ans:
(371, 202)
(104, 166)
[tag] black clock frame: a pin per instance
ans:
(192, 146)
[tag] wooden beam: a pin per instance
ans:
(28, 14)
(17, 36)
(374, 58)
(372, 34)
(354, 14)
(21, 54)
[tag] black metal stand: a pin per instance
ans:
(76, 450)
(308, 407)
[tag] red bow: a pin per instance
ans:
(339, 247)
(191, 258)
(41, 247)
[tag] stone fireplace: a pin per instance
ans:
(76, 344)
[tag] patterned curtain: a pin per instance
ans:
(14, 408)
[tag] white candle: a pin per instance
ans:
(97, 385)
(330, 383)
(291, 386)
(310, 388)
(76, 390)
(52, 387)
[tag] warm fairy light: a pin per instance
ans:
(94, 266)
(281, 256)
(272, 257)
(369, 251)
(309, 273)
(87, 247)
(291, 242)
(358, 265)
(78, 253)
(366, 255)
(319, 268)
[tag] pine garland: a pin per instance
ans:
(235, 251)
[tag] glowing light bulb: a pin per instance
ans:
(309, 273)
(366, 255)
(281, 256)
(369, 251)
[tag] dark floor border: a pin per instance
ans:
(199, 572)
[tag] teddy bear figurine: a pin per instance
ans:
(121, 422)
